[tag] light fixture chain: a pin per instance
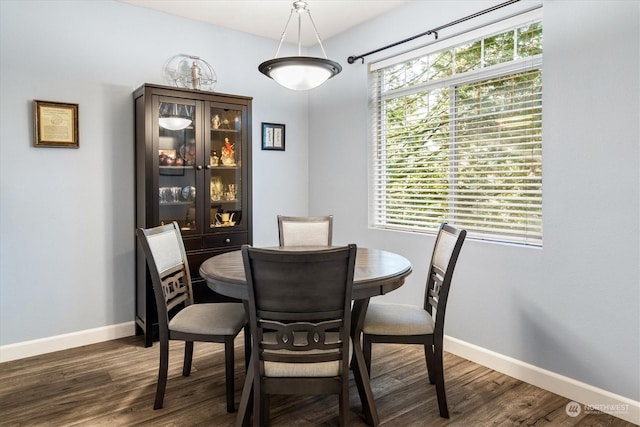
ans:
(284, 33)
(299, 34)
(317, 35)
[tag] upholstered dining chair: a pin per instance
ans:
(305, 230)
(410, 324)
(300, 317)
(178, 317)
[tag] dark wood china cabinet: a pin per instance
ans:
(193, 166)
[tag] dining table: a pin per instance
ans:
(377, 272)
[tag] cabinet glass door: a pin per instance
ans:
(177, 162)
(225, 167)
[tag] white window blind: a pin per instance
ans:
(458, 136)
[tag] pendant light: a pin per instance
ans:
(300, 72)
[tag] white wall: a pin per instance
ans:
(573, 306)
(67, 216)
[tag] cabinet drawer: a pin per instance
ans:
(222, 240)
(195, 261)
(192, 243)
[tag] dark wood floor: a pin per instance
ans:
(113, 384)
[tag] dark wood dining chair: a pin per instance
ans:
(178, 317)
(410, 324)
(300, 317)
(305, 230)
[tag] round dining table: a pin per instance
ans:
(377, 272)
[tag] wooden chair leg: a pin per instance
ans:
(430, 358)
(440, 390)
(188, 357)
(247, 346)
(344, 403)
(366, 351)
(229, 373)
(257, 403)
(246, 400)
(162, 374)
(264, 407)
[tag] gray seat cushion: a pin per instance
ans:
(211, 319)
(397, 319)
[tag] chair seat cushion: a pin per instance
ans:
(318, 369)
(226, 318)
(397, 319)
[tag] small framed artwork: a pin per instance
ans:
(272, 136)
(55, 124)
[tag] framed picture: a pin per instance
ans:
(272, 136)
(55, 124)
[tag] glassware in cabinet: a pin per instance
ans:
(177, 180)
(225, 163)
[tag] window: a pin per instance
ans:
(458, 134)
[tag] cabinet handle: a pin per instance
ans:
(199, 167)
(227, 240)
(208, 167)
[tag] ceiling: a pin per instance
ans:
(267, 18)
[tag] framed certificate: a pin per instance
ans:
(55, 124)
(272, 136)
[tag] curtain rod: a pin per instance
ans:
(353, 58)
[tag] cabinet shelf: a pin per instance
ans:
(176, 203)
(182, 168)
(225, 130)
(225, 167)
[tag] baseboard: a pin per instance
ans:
(591, 398)
(62, 342)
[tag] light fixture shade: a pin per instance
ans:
(174, 122)
(300, 72)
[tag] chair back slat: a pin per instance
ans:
(305, 230)
(433, 290)
(300, 337)
(174, 289)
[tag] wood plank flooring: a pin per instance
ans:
(113, 384)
